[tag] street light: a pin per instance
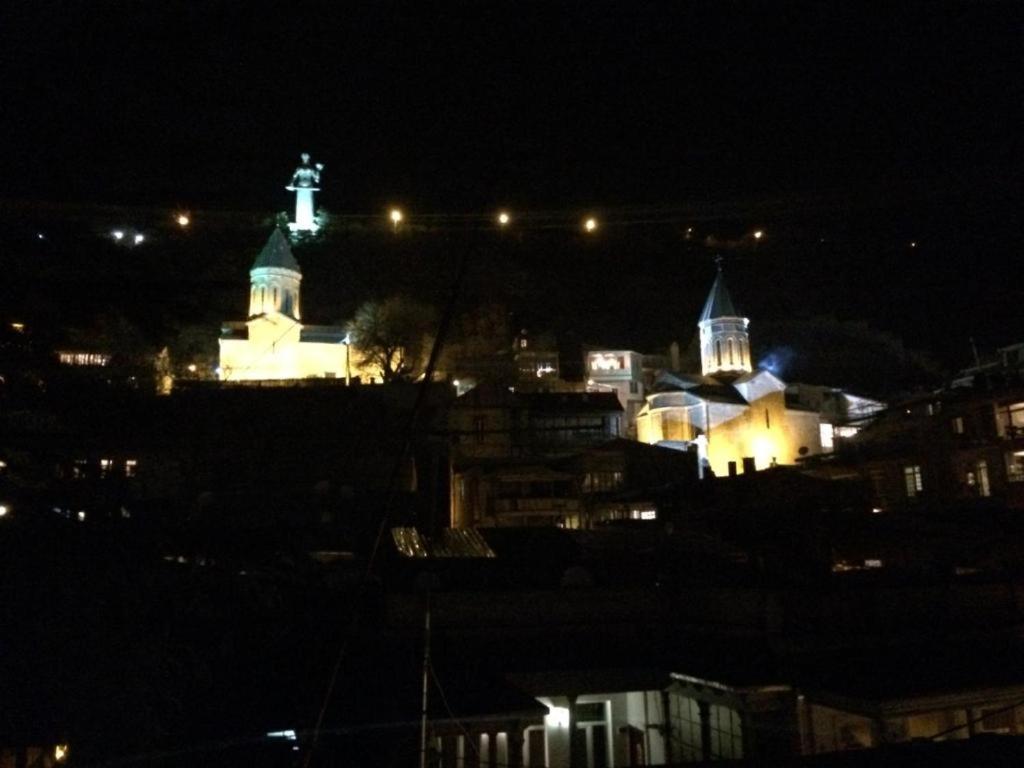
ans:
(139, 238)
(347, 341)
(396, 218)
(590, 224)
(183, 220)
(117, 234)
(758, 234)
(504, 219)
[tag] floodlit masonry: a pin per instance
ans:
(737, 417)
(273, 343)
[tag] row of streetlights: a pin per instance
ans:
(589, 225)
(503, 219)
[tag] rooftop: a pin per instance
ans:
(277, 253)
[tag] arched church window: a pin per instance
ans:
(263, 298)
(743, 352)
(276, 305)
(718, 352)
(729, 343)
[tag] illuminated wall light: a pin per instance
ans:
(504, 218)
(590, 225)
(191, 367)
(81, 515)
(117, 234)
(758, 234)
(396, 217)
(60, 753)
(183, 220)
(4, 510)
(139, 238)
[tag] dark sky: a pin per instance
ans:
(882, 122)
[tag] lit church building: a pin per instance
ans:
(273, 343)
(737, 418)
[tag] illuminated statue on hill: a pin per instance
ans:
(304, 183)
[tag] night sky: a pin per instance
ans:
(847, 134)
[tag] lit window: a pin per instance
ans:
(1010, 420)
(826, 437)
(601, 362)
(718, 352)
(684, 716)
(958, 425)
(997, 720)
(726, 733)
(131, 466)
(105, 466)
(1015, 467)
(729, 345)
(912, 479)
(981, 470)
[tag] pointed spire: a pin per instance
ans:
(277, 253)
(719, 303)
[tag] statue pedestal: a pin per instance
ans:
(304, 220)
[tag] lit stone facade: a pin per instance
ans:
(736, 417)
(273, 343)
(747, 418)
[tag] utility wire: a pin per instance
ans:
(421, 395)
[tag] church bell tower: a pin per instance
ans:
(274, 279)
(724, 340)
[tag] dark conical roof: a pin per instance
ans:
(277, 253)
(719, 303)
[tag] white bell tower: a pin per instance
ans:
(724, 340)
(274, 279)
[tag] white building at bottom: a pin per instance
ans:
(273, 343)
